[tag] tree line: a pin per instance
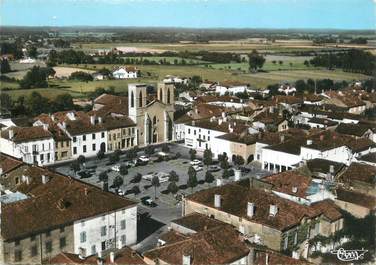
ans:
(354, 60)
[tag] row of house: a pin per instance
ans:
(44, 213)
(115, 123)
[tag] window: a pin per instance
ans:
(103, 231)
(102, 135)
(94, 147)
(49, 247)
(83, 237)
(63, 242)
(48, 233)
(17, 255)
(62, 229)
(109, 136)
(208, 138)
(74, 139)
(140, 99)
(123, 239)
(33, 251)
(67, 143)
(57, 144)
(84, 137)
(41, 157)
(122, 224)
(32, 238)
(168, 96)
(296, 238)
(93, 249)
(132, 130)
(194, 132)
(189, 131)
(132, 99)
(84, 148)
(93, 136)
(74, 150)
(285, 242)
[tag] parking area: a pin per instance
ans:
(167, 207)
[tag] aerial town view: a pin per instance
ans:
(187, 132)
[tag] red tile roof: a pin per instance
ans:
(25, 134)
(62, 200)
(8, 163)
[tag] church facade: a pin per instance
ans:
(154, 118)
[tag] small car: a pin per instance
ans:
(214, 168)
(116, 168)
(144, 158)
(195, 162)
(197, 168)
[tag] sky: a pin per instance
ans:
(310, 14)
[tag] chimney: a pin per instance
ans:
(86, 191)
(193, 123)
(100, 120)
(64, 125)
(112, 257)
(45, 127)
(331, 169)
(321, 137)
(11, 134)
(309, 142)
(44, 179)
(223, 114)
(250, 209)
(230, 128)
(219, 182)
(266, 259)
(92, 120)
(282, 138)
(52, 117)
(220, 121)
(271, 109)
(186, 259)
(237, 174)
(217, 200)
(273, 210)
(294, 189)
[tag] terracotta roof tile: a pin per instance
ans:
(25, 134)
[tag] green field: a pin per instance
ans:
(154, 73)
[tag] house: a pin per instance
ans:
(324, 169)
(199, 134)
(270, 120)
(360, 178)
(231, 87)
(352, 103)
(125, 72)
(121, 133)
(359, 130)
(63, 215)
(217, 245)
(34, 145)
(321, 123)
(87, 133)
(287, 89)
(313, 99)
(175, 79)
(358, 204)
(123, 256)
(263, 217)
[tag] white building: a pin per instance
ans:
(88, 135)
(125, 73)
(111, 230)
(233, 89)
(34, 145)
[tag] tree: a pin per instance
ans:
(132, 153)
(81, 76)
(81, 159)
(6, 102)
(280, 62)
(63, 102)
(255, 61)
(192, 178)
(36, 77)
(208, 157)
(117, 182)
(306, 63)
(174, 177)
(155, 183)
(114, 157)
(103, 176)
(5, 67)
(100, 154)
(75, 166)
(149, 150)
(37, 104)
(192, 153)
(209, 178)
(173, 188)
(226, 174)
(165, 148)
(239, 160)
(32, 52)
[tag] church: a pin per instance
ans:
(154, 118)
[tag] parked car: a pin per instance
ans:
(214, 168)
(144, 158)
(120, 192)
(195, 162)
(116, 168)
(197, 168)
(163, 177)
(147, 201)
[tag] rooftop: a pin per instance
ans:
(25, 134)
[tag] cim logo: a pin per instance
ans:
(349, 255)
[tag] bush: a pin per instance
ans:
(137, 178)
(81, 76)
